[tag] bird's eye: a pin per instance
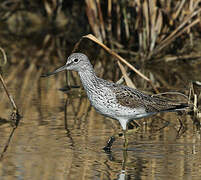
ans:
(76, 60)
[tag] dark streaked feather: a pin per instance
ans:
(133, 98)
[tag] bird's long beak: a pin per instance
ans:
(56, 71)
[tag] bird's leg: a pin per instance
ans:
(125, 155)
(125, 133)
(113, 138)
(125, 139)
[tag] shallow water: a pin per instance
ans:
(61, 137)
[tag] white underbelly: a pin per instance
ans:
(106, 104)
(119, 111)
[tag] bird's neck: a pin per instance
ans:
(89, 79)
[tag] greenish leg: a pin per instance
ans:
(125, 139)
(125, 134)
(125, 155)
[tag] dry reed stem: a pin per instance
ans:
(48, 8)
(101, 20)
(150, 24)
(196, 113)
(146, 15)
(178, 10)
(170, 39)
(118, 22)
(156, 27)
(127, 32)
(195, 104)
(178, 31)
(4, 85)
(174, 58)
(94, 39)
(7, 93)
(92, 14)
(4, 57)
(126, 77)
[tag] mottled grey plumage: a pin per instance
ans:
(113, 100)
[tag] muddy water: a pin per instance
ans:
(61, 137)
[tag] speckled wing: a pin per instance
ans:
(133, 98)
